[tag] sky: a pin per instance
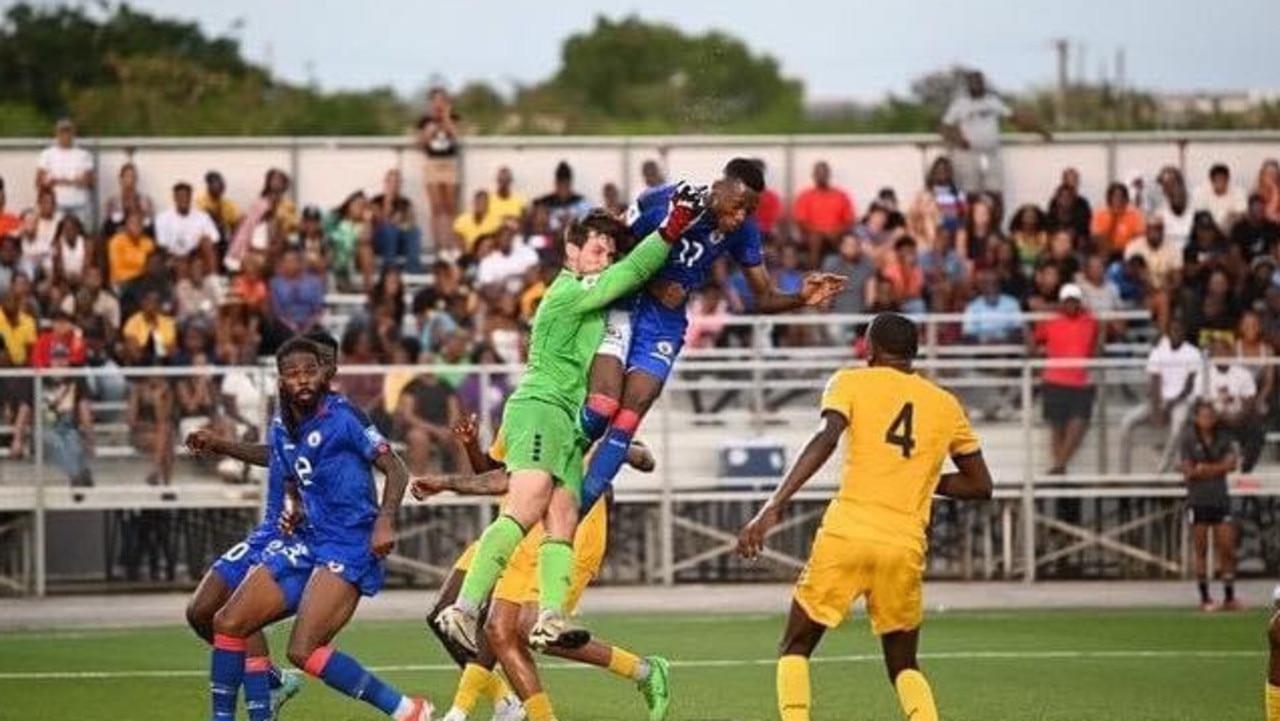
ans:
(841, 49)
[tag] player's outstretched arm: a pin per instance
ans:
(815, 454)
(204, 442)
(490, 483)
(397, 475)
(817, 290)
(971, 481)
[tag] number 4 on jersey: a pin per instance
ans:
(900, 432)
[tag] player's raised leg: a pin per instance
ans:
(608, 372)
(640, 391)
(327, 605)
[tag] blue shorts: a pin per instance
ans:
(657, 336)
(233, 565)
(291, 566)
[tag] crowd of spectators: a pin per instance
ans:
(192, 279)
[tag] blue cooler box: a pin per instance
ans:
(746, 464)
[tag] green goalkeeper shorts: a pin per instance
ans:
(543, 437)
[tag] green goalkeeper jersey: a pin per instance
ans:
(569, 326)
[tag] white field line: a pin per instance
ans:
(696, 663)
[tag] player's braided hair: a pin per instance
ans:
(601, 222)
(747, 171)
(298, 344)
(894, 334)
(321, 337)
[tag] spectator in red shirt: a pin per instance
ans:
(9, 222)
(61, 343)
(769, 208)
(1068, 391)
(823, 213)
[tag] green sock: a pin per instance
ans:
(497, 544)
(555, 573)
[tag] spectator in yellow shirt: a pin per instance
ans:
(505, 202)
(151, 325)
(17, 337)
(128, 250)
(477, 222)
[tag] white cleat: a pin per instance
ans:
(422, 711)
(455, 714)
(553, 630)
(460, 625)
(508, 708)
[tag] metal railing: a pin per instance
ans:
(675, 508)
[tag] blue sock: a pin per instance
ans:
(274, 678)
(596, 414)
(345, 674)
(226, 672)
(257, 688)
(610, 454)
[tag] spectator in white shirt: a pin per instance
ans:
(67, 170)
(73, 251)
(38, 234)
(1232, 390)
(509, 260)
(971, 126)
(1226, 202)
(1176, 209)
(183, 229)
(1172, 367)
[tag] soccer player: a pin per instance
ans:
(514, 601)
(1208, 455)
(327, 448)
(898, 428)
(226, 573)
(640, 349)
(545, 444)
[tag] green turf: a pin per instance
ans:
(988, 666)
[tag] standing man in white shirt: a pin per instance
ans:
(971, 127)
(1172, 367)
(67, 170)
(184, 229)
(1232, 390)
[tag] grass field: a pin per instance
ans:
(1059, 666)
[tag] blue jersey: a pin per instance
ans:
(330, 457)
(277, 473)
(690, 260)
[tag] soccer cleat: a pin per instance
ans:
(553, 630)
(421, 711)
(657, 692)
(459, 625)
(455, 714)
(640, 457)
(290, 686)
(508, 708)
(1208, 607)
(1232, 605)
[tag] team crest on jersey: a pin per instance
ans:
(314, 438)
(590, 280)
(665, 349)
(336, 567)
(716, 237)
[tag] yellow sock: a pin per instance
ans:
(1273, 703)
(915, 696)
(623, 663)
(474, 683)
(538, 707)
(497, 688)
(793, 688)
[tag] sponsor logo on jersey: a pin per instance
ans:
(336, 567)
(314, 438)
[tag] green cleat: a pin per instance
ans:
(657, 695)
(290, 685)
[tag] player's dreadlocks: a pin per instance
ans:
(895, 335)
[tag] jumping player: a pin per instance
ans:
(899, 428)
(513, 605)
(226, 573)
(640, 349)
(545, 444)
(327, 448)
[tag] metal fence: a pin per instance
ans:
(326, 169)
(717, 460)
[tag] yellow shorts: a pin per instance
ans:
(841, 570)
(463, 564)
(519, 582)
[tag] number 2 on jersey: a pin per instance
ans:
(901, 431)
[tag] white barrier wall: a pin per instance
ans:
(325, 170)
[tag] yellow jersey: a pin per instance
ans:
(901, 429)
